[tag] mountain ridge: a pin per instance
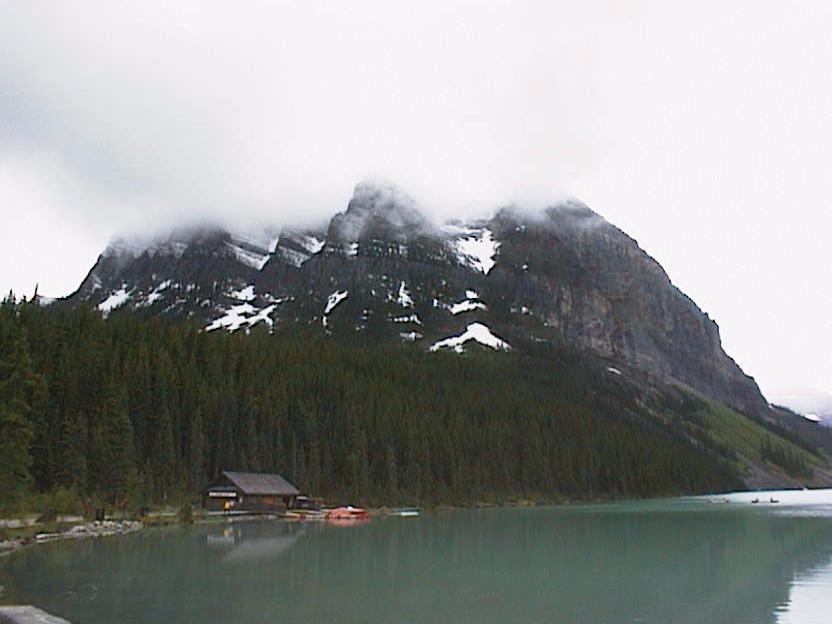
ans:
(382, 268)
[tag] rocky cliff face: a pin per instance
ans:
(599, 289)
(382, 269)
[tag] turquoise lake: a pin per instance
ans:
(680, 560)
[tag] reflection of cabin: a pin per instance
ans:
(250, 492)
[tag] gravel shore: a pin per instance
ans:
(89, 529)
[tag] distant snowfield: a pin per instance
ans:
(475, 247)
(234, 318)
(115, 300)
(476, 332)
(466, 306)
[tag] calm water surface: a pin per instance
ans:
(682, 560)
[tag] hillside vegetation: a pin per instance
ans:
(130, 411)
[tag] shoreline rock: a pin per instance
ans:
(97, 528)
(28, 615)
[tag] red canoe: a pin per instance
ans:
(347, 513)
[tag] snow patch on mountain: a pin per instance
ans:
(234, 318)
(263, 315)
(466, 306)
(241, 315)
(477, 332)
(155, 294)
(253, 257)
(116, 299)
(333, 300)
(412, 318)
(469, 304)
(474, 247)
(404, 299)
(244, 294)
(305, 246)
(311, 244)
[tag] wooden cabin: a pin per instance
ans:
(250, 492)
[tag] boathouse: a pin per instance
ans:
(250, 492)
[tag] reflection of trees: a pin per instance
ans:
(575, 565)
(247, 541)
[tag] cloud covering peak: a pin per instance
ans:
(266, 110)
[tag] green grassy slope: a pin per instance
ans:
(754, 444)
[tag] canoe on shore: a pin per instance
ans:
(304, 515)
(348, 513)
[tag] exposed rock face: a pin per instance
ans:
(383, 269)
(594, 284)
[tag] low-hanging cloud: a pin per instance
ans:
(274, 111)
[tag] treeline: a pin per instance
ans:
(130, 411)
(792, 463)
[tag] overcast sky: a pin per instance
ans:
(701, 128)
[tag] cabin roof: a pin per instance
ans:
(254, 483)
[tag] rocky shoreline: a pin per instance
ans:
(98, 528)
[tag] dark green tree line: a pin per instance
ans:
(132, 410)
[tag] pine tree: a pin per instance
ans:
(392, 476)
(112, 462)
(195, 452)
(16, 378)
(162, 458)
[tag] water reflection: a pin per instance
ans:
(647, 562)
(810, 599)
(248, 541)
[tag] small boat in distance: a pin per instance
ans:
(756, 500)
(773, 500)
(347, 513)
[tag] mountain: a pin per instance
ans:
(381, 269)
(585, 369)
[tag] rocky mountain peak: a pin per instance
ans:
(379, 210)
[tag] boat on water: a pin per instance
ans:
(348, 513)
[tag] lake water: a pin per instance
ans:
(683, 560)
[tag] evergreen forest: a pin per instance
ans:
(134, 411)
